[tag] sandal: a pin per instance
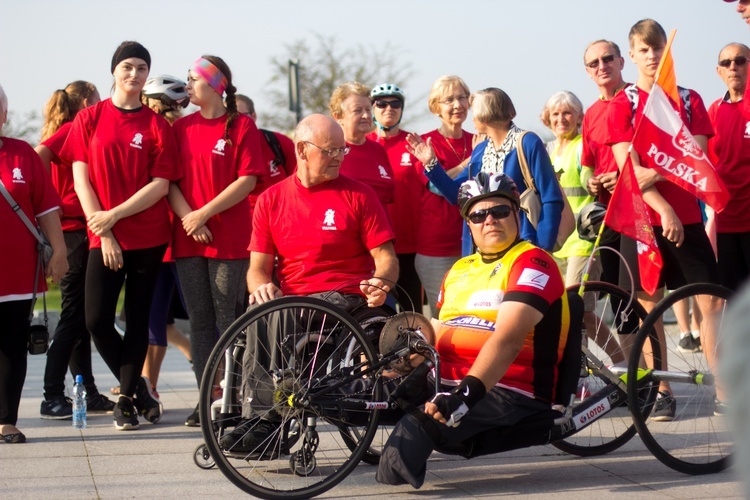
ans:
(14, 438)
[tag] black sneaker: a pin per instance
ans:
(665, 407)
(194, 420)
(126, 418)
(59, 408)
(147, 402)
(99, 404)
(688, 343)
(250, 436)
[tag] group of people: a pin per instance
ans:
(354, 205)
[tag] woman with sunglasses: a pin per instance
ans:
(124, 157)
(388, 109)
(220, 152)
(366, 160)
(493, 118)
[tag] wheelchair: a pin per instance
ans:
(323, 376)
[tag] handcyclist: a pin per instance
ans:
(340, 236)
(501, 324)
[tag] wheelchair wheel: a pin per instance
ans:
(309, 384)
(697, 440)
(202, 457)
(608, 335)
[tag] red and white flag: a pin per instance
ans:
(664, 143)
(627, 214)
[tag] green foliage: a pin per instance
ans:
(26, 127)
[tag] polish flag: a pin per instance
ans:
(664, 143)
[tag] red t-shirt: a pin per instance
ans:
(404, 211)
(211, 164)
(369, 163)
(730, 154)
(440, 223)
(24, 177)
(322, 235)
(596, 152)
(621, 123)
(124, 152)
(72, 218)
(274, 173)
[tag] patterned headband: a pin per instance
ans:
(211, 74)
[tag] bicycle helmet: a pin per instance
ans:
(387, 90)
(169, 87)
(590, 219)
(486, 185)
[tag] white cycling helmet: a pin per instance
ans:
(486, 185)
(169, 87)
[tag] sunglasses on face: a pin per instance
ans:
(497, 213)
(605, 60)
(738, 61)
(396, 104)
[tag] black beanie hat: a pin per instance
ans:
(127, 50)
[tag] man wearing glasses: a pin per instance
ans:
(730, 154)
(329, 232)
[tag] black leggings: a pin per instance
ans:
(124, 355)
(14, 334)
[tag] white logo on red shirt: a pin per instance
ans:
(747, 130)
(137, 141)
(383, 172)
(273, 168)
(219, 148)
(405, 159)
(330, 224)
(18, 176)
(533, 278)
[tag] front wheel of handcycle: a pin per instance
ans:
(609, 332)
(304, 366)
(695, 439)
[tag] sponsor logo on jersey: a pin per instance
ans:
(539, 262)
(473, 322)
(329, 224)
(405, 159)
(497, 268)
(219, 148)
(533, 278)
(137, 141)
(383, 172)
(18, 176)
(485, 299)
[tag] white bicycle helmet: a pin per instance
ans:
(169, 87)
(387, 90)
(486, 185)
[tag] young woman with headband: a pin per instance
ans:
(124, 157)
(220, 152)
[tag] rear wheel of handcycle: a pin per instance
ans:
(697, 441)
(608, 336)
(310, 359)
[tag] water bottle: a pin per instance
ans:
(79, 403)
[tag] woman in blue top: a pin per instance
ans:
(493, 114)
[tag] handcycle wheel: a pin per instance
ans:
(202, 457)
(697, 441)
(608, 337)
(308, 375)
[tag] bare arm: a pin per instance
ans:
(384, 277)
(58, 264)
(259, 278)
(46, 155)
(181, 208)
(102, 221)
(229, 197)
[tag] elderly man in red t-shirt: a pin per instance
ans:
(328, 232)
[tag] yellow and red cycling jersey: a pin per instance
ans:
(468, 306)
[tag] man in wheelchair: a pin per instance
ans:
(328, 232)
(501, 328)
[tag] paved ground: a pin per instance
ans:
(157, 461)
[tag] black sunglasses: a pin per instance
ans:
(498, 212)
(396, 104)
(604, 61)
(739, 61)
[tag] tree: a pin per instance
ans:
(323, 66)
(26, 127)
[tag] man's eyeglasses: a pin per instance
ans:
(463, 99)
(738, 61)
(333, 153)
(497, 213)
(395, 104)
(604, 60)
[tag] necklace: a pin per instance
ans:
(460, 158)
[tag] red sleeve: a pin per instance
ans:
(620, 120)
(44, 198)
(535, 280)
(165, 162)
(261, 239)
(76, 147)
(250, 161)
(700, 123)
(56, 141)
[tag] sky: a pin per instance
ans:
(530, 49)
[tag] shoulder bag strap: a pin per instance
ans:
(525, 171)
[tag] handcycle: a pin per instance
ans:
(327, 392)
